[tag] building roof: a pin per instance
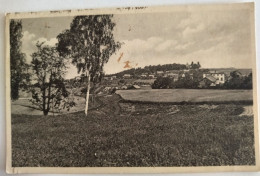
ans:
(211, 78)
(136, 87)
(216, 72)
(173, 71)
(212, 71)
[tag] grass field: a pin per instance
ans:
(24, 106)
(135, 135)
(186, 95)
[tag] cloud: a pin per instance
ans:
(138, 52)
(216, 38)
(28, 36)
(52, 42)
(165, 45)
(28, 47)
(29, 41)
(183, 46)
(189, 32)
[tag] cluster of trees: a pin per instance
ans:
(236, 81)
(151, 69)
(239, 82)
(194, 65)
(89, 43)
(190, 80)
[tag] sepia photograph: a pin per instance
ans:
(170, 88)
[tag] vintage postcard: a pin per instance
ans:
(132, 90)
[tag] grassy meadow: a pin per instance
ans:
(187, 95)
(130, 134)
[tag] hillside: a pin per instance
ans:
(151, 69)
(243, 71)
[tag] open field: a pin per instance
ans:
(24, 106)
(129, 134)
(187, 95)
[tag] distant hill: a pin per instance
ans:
(151, 69)
(243, 71)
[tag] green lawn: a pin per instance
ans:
(140, 135)
(186, 95)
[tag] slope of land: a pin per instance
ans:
(140, 135)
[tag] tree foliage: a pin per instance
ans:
(195, 66)
(48, 90)
(237, 81)
(151, 69)
(18, 64)
(162, 83)
(89, 43)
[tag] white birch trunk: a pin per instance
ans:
(87, 95)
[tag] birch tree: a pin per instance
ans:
(89, 43)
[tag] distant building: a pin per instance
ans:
(144, 82)
(124, 87)
(174, 74)
(159, 73)
(175, 78)
(220, 76)
(110, 78)
(208, 81)
(106, 78)
(171, 74)
(191, 75)
(151, 76)
(143, 76)
(107, 88)
(127, 76)
(136, 87)
(172, 71)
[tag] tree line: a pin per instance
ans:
(152, 69)
(89, 43)
(235, 81)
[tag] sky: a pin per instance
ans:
(216, 39)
